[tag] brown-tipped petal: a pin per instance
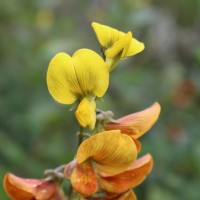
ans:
(137, 124)
(28, 189)
(128, 179)
(83, 179)
(112, 151)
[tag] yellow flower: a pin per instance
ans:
(116, 44)
(81, 77)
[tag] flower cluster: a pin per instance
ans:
(106, 165)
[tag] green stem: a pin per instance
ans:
(70, 191)
(80, 136)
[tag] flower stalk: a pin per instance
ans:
(80, 135)
(106, 165)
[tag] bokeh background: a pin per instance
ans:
(36, 133)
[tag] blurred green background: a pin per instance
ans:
(37, 133)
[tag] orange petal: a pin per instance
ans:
(46, 190)
(83, 179)
(138, 145)
(28, 189)
(128, 179)
(137, 124)
(112, 151)
(15, 190)
(129, 195)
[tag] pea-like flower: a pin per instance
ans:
(111, 151)
(116, 45)
(138, 123)
(30, 189)
(107, 163)
(80, 78)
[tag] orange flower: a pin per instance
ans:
(88, 181)
(30, 189)
(109, 152)
(106, 162)
(136, 124)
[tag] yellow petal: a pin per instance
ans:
(106, 35)
(83, 179)
(112, 151)
(86, 114)
(112, 62)
(91, 71)
(132, 177)
(61, 79)
(134, 47)
(137, 124)
(120, 47)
